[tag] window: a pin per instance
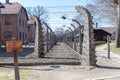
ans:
(7, 20)
(23, 23)
(7, 34)
(20, 22)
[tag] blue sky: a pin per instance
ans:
(55, 6)
(33, 3)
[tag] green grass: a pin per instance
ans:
(25, 74)
(8, 74)
(114, 49)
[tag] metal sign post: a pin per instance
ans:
(15, 47)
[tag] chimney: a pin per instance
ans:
(7, 1)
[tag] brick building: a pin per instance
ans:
(31, 30)
(13, 22)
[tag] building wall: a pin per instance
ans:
(101, 35)
(11, 25)
(22, 25)
(8, 27)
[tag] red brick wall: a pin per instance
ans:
(23, 27)
(14, 26)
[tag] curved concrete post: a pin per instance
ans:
(80, 36)
(71, 35)
(88, 50)
(118, 26)
(39, 45)
(74, 37)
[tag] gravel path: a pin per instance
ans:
(103, 53)
(61, 50)
(59, 54)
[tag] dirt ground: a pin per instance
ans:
(105, 70)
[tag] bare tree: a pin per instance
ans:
(104, 9)
(38, 11)
(109, 10)
(29, 12)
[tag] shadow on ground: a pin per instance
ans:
(42, 68)
(26, 51)
(107, 67)
(61, 58)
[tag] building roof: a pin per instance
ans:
(11, 8)
(107, 30)
(110, 30)
(101, 30)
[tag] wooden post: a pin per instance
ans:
(16, 67)
(108, 46)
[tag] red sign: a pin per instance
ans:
(14, 46)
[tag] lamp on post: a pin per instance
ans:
(80, 36)
(65, 17)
